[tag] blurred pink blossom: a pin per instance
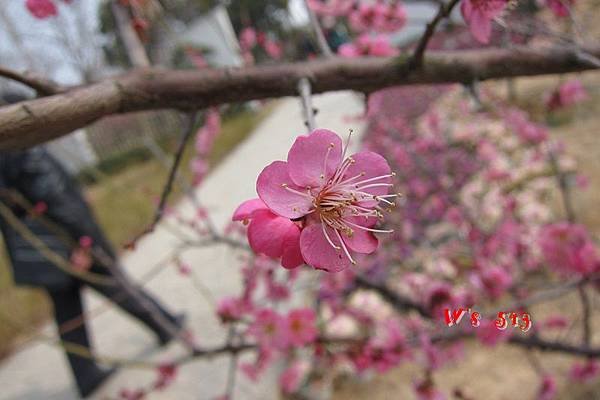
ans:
(548, 389)
(567, 94)
(41, 9)
(479, 15)
(584, 372)
(568, 249)
(368, 45)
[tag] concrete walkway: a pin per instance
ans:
(39, 370)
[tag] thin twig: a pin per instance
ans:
(53, 257)
(563, 185)
(318, 31)
(42, 86)
(443, 12)
(586, 313)
(396, 300)
(167, 189)
(307, 107)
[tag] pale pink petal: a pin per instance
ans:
(481, 26)
(348, 50)
(292, 257)
(279, 199)
(466, 9)
(266, 233)
(306, 158)
(361, 241)
(247, 209)
(318, 253)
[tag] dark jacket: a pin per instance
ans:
(38, 177)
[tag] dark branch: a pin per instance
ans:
(396, 300)
(167, 189)
(544, 345)
(443, 13)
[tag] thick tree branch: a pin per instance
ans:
(32, 122)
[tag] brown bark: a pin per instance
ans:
(36, 121)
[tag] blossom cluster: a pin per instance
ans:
(473, 223)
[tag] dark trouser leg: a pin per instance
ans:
(134, 307)
(67, 311)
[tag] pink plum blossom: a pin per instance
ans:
(41, 9)
(270, 234)
(560, 8)
(291, 379)
(555, 322)
(548, 389)
(567, 94)
(81, 259)
(387, 350)
(167, 373)
(527, 130)
(301, 326)
(131, 394)
(489, 335)
(584, 372)
(232, 309)
(269, 329)
(248, 38)
(493, 281)
(335, 198)
(253, 370)
(368, 45)
(208, 132)
(334, 8)
(425, 390)
(439, 296)
(478, 14)
(568, 248)
(380, 17)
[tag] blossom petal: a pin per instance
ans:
(318, 253)
(247, 209)
(292, 257)
(480, 26)
(307, 156)
(361, 241)
(279, 199)
(371, 165)
(267, 232)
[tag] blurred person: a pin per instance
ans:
(39, 178)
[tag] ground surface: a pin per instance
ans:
(39, 370)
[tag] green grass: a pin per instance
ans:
(124, 204)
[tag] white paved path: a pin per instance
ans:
(39, 371)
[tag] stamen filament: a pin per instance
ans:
(345, 248)
(369, 229)
(327, 236)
